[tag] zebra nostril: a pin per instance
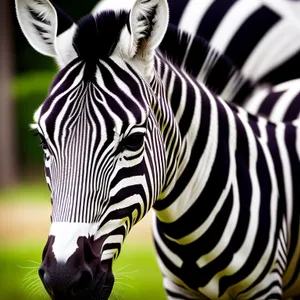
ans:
(83, 282)
(44, 280)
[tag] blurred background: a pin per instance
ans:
(25, 76)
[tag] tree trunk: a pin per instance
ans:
(8, 165)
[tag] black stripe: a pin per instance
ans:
(293, 111)
(244, 91)
(213, 17)
(268, 103)
(200, 277)
(263, 230)
(249, 34)
(176, 9)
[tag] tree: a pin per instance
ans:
(8, 165)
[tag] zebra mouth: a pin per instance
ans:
(103, 286)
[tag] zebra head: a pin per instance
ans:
(104, 151)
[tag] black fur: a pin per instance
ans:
(97, 36)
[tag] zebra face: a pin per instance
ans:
(100, 164)
(105, 158)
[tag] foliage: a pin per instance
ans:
(29, 91)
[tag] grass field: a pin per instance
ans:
(23, 235)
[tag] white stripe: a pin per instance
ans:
(282, 87)
(192, 15)
(280, 43)
(57, 86)
(262, 125)
(283, 104)
(255, 101)
(199, 179)
(231, 183)
(232, 21)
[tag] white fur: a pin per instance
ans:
(59, 47)
(64, 47)
(129, 46)
(66, 237)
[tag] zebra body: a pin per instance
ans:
(124, 130)
(210, 227)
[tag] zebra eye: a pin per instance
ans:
(134, 141)
(43, 142)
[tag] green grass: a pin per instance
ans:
(26, 191)
(138, 276)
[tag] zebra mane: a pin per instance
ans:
(97, 36)
(200, 60)
(174, 47)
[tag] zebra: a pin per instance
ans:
(258, 85)
(125, 130)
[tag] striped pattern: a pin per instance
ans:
(261, 37)
(223, 183)
(279, 102)
(225, 229)
(206, 64)
(86, 128)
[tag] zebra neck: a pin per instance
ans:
(206, 64)
(207, 142)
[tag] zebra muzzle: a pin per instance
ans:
(82, 276)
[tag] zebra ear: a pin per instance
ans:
(47, 28)
(148, 22)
